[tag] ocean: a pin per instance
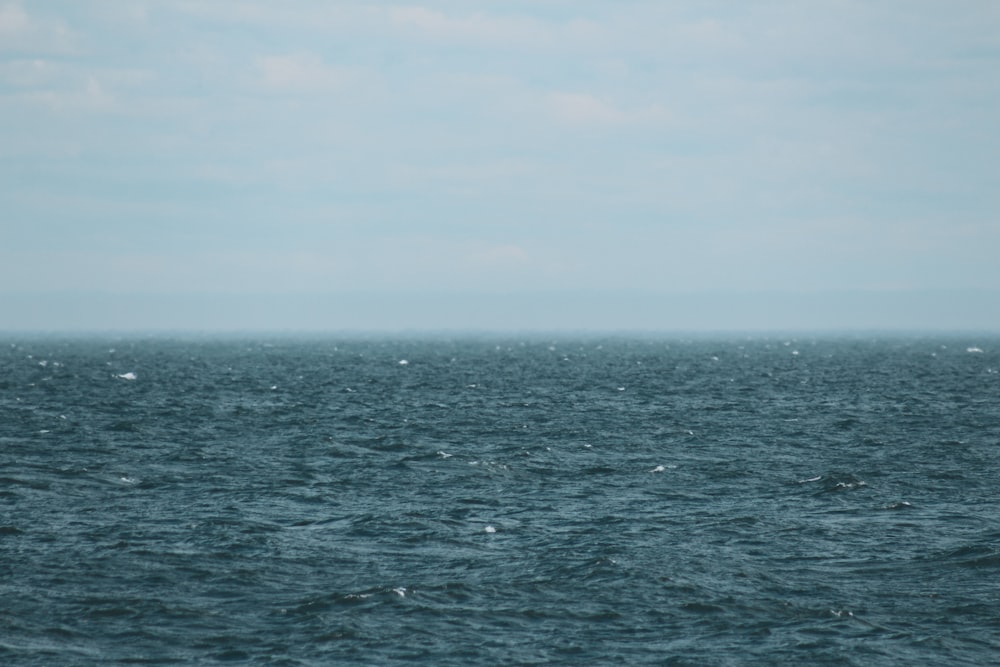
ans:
(755, 500)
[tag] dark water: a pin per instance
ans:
(702, 502)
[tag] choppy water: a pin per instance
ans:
(702, 502)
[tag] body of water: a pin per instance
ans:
(478, 501)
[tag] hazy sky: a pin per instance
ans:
(188, 147)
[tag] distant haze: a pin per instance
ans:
(545, 312)
(642, 165)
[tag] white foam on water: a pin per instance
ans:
(401, 591)
(658, 469)
(127, 376)
(811, 479)
(357, 596)
(898, 506)
(974, 350)
(444, 455)
(404, 362)
(490, 529)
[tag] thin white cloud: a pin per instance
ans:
(477, 27)
(89, 96)
(301, 73)
(61, 85)
(59, 75)
(21, 32)
(482, 28)
(303, 16)
(502, 256)
(13, 20)
(28, 73)
(587, 109)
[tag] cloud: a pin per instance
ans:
(498, 257)
(478, 27)
(28, 73)
(301, 73)
(523, 142)
(586, 109)
(13, 20)
(88, 96)
(20, 32)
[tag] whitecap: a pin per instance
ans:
(974, 350)
(811, 479)
(490, 529)
(658, 469)
(357, 596)
(444, 455)
(401, 591)
(404, 362)
(127, 376)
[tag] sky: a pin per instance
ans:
(181, 164)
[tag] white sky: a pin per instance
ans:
(183, 147)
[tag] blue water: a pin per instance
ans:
(645, 501)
